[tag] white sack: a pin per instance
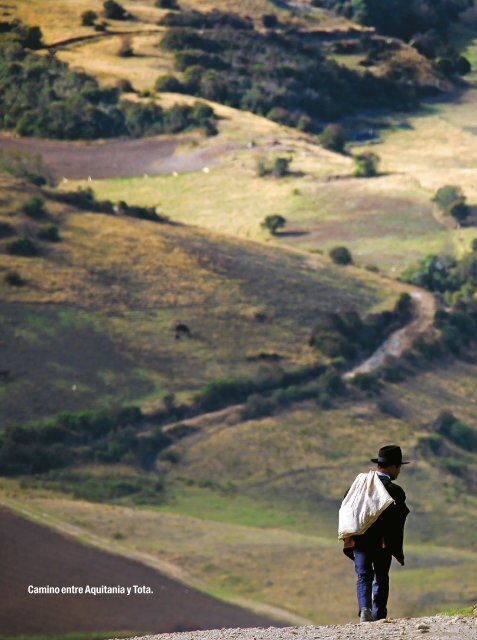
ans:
(364, 503)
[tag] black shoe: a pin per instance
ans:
(365, 615)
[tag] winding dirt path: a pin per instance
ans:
(401, 340)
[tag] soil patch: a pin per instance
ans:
(35, 555)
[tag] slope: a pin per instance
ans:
(94, 322)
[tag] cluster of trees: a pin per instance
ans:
(454, 279)
(107, 436)
(347, 336)
(424, 24)
(279, 74)
(41, 96)
(401, 18)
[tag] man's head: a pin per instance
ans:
(389, 460)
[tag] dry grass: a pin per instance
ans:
(131, 280)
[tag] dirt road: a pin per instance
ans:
(400, 341)
(433, 628)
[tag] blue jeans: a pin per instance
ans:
(372, 585)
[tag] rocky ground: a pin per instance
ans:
(434, 628)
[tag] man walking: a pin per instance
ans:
(372, 528)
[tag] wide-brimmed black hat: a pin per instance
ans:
(389, 455)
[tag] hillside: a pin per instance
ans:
(102, 327)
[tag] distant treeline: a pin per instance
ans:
(282, 74)
(40, 96)
(401, 18)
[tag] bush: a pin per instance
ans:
(270, 21)
(169, 83)
(333, 138)
(366, 165)
(22, 247)
(367, 382)
(167, 4)
(257, 406)
(451, 201)
(14, 279)
(6, 230)
(143, 213)
(124, 86)
(83, 198)
(88, 18)
(114, 11)
(125, 49)
(281, 167)
(49, 233)
(341, 255)
(35, 208)
(273, 223)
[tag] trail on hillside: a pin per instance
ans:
(401, 340)
(435, 628)
(100, 36)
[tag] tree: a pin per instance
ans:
(451, 200)
(273, 223)
(341, 255)
(333, 138)
(167, 4)
(366, 165)
(114, 11)
(125, 49)
(88, 18)
(280, 167)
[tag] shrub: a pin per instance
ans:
(270, 21)
(49, 233)
(341, 255)
(167, 4)
(219, 393)
(125, 49)
(6, 230)
(281, 167)
(88, 18)
(114, 11)
(124, 86)
(333, 138)
(34, 208)
(257, 406)
(273, 223)
(23, 246)
(367, 382)
(169, 83)
(366, 165)
(14, 279)
(143, 213)
(83, 198)
(451, 201)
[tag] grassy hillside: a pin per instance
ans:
(91, 327)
